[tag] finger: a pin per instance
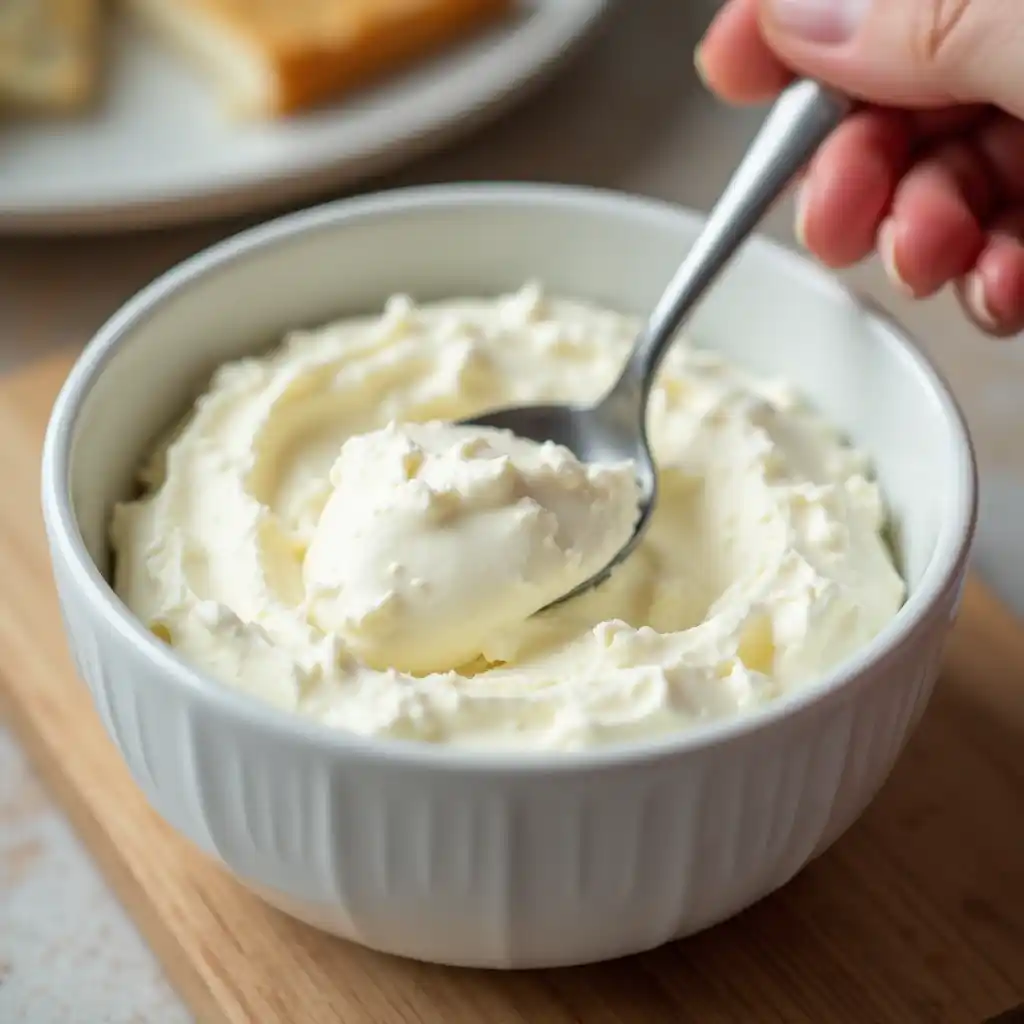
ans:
(993, 292)
(934, 232)
(928, 53)
(733, 59)
(850, 185)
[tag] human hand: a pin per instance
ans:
(930, 172)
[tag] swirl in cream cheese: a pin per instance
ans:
(314, 534)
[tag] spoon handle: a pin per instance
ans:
(801, 119)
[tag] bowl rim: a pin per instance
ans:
(945, 569)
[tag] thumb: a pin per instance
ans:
(906, 53)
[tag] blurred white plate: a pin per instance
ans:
(157, 148)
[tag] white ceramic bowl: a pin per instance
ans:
(497, 859)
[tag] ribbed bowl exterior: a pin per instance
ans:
(498, 867)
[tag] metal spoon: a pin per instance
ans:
(614, 429)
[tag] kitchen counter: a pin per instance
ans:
(627, 114)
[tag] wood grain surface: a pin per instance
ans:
(916, 915)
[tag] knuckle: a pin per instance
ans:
(939, 29)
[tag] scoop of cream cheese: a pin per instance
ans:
(437, 537)
(388, 590)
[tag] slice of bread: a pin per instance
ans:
(272, 57)
(48, 53)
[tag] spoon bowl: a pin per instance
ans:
(614, 429)
(606, 432)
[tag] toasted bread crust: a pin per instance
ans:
(315, 50)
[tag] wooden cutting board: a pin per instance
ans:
(916, 915)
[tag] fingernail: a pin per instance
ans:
(698, 63)
(977, 300)
(886, 244)
(819, 21)
(800, 221)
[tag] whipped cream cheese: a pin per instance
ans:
(318, 534)
(437, 538)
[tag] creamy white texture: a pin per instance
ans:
(763, 568)
(437, 539)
